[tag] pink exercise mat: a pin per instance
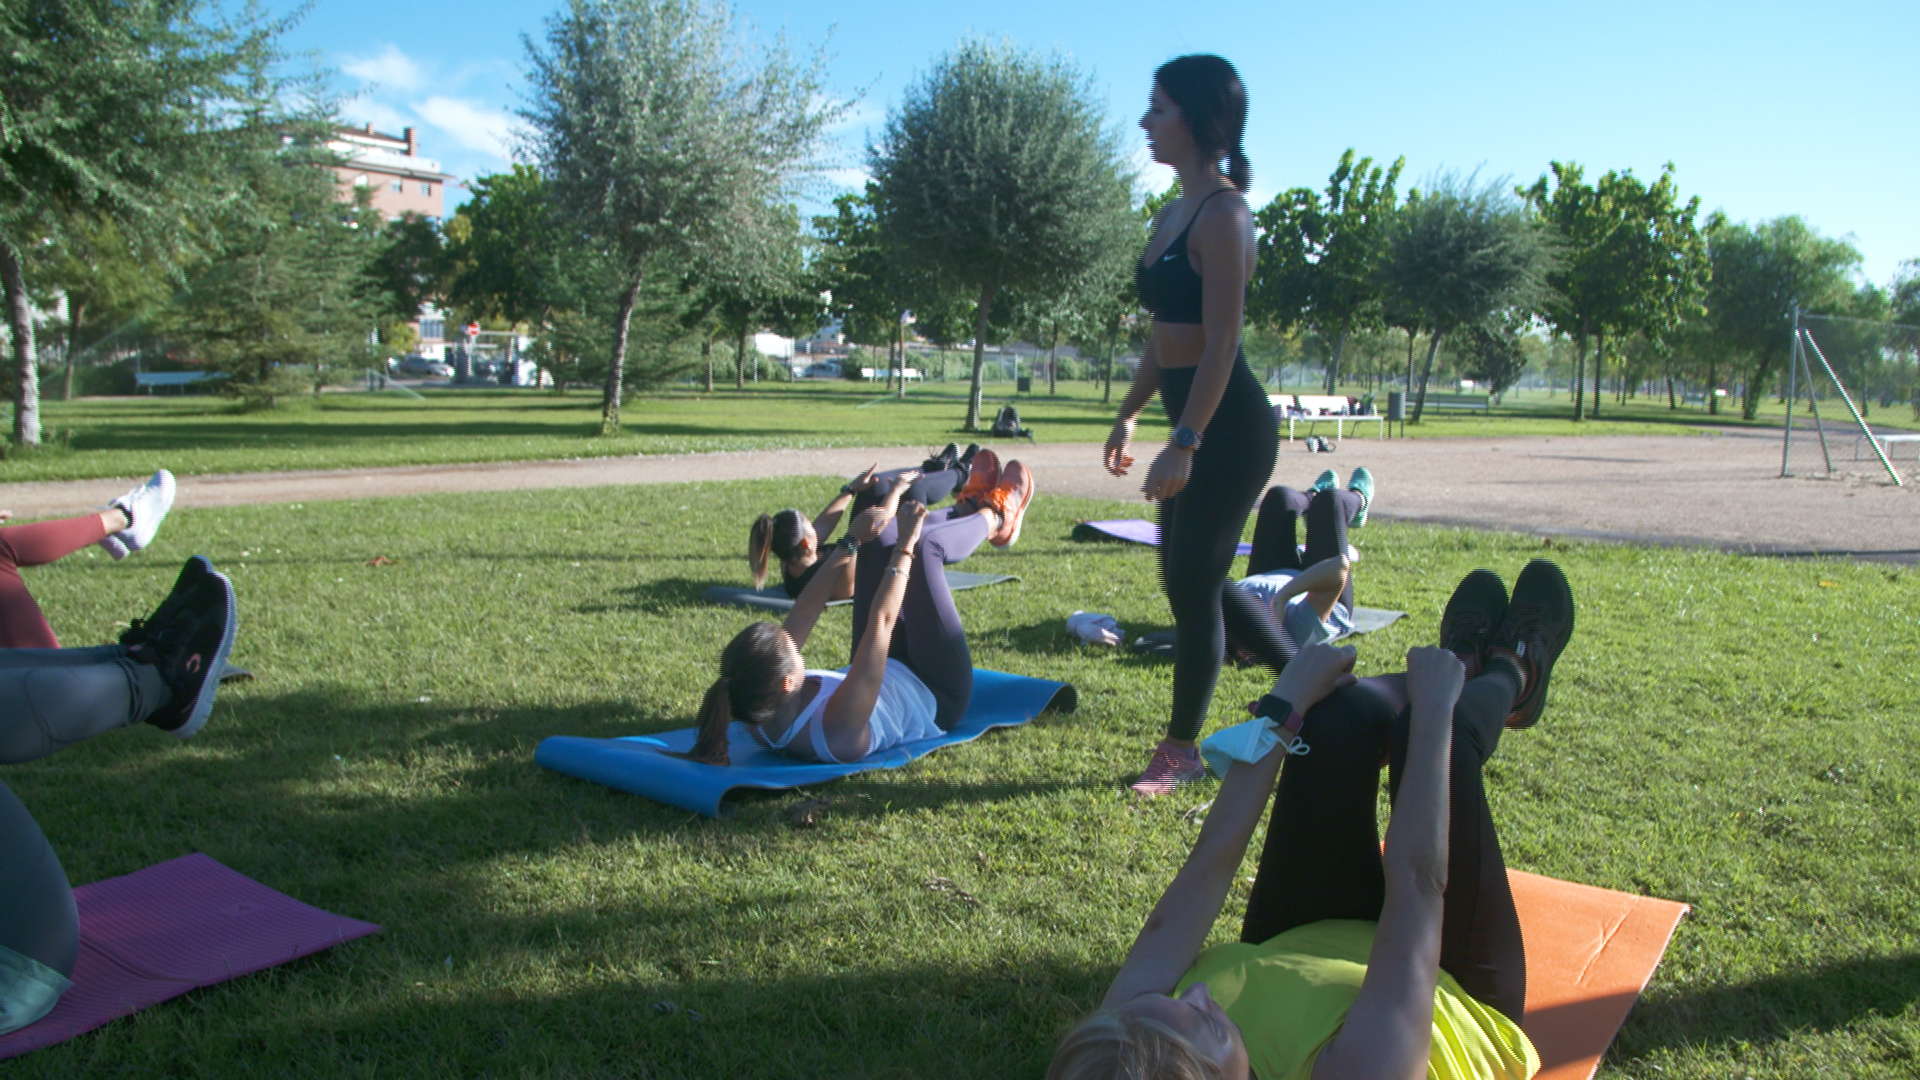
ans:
(160, 932)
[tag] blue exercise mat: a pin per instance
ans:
(643, 765)
(1132, 531)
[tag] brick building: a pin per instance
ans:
(391, 168)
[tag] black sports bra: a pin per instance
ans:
(1168, 286)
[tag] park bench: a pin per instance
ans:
(147, 380)
(1483, 402)
(1315, 409)
(871, 374)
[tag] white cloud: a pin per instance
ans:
(389, 69)
(384, 117)
(470, 124)
(847, 179)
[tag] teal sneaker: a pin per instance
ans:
(1327, 481)
(1362, 483)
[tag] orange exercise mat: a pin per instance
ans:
(1589, 954)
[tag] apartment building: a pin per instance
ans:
(391, 169)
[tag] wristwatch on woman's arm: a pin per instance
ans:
(1186, 438)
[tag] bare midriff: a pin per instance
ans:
(1178, 345)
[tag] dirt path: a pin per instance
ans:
(1719, 490)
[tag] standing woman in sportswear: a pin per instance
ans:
(1193, 278)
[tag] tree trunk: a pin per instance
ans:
(74, 312)
(706, 357)
(1053, 352)
(1113, 337)
(617, 373)
(979, 353)
(1426, 374)
(1578, 386)
(740, 361)
(1410, 338)
(1333, 365)
(1599, 365)
(1713, 384)
(900, 335)
(1673, 402)
(26, 389)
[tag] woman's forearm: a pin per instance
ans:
(1416, 844)
(829, 518)
(1140, 391)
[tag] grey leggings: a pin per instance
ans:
(49, 700)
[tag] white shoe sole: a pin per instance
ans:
(146, 507)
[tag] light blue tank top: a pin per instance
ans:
(904, 712)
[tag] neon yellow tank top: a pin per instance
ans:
(1290, 994)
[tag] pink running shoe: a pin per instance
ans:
(1171, 766)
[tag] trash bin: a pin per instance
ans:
(1023, 384)
(1396, 405)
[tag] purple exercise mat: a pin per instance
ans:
(1140, 531)
(160, 932)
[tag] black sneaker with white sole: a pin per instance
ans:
(145, 631)
(192, 654)
(1538, 625)
(1478, 604)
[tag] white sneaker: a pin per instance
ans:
(146, 507)
(115, 547)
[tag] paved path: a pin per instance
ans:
(1719, 490)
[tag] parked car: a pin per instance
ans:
(421, 366)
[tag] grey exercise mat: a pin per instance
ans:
(1365, 621)
(774, 598)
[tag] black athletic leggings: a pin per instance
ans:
(927, 490)
(1322, 857)
(928, 637)
(1276, 531)
(1199, 532)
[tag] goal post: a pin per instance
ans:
(1798, 364)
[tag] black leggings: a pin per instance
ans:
(1199, 532)
(1276, 531)
(928, 637)
(1322, 857)
(927, 490)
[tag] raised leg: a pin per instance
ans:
(22, 624)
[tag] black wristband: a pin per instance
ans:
(847, 489)
(849, 545)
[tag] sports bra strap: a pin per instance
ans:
(1196, 212)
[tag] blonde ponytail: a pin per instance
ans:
(759, 546)
(716, 715)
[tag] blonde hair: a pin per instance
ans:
(1112, 1045)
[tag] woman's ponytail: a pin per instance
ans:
(759, 546)
(1240, 170)
(716, 715)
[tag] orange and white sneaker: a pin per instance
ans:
(983, 476)
(1171, 766)
(1010, 500)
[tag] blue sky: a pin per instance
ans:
(1765, 108)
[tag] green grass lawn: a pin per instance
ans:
(1728, 731)
(128, 437)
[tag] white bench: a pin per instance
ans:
(1316, 409)
(1886, 443)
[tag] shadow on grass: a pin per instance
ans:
(1819, 999)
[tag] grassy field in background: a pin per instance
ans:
(1727, 731)
(128, 437)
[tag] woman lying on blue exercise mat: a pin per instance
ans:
(1352, 963)
(799, 543)
(912, 674)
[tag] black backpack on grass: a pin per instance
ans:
(1006, 424)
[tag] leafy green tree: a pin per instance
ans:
(998, 171)
(292, 290)
(1634, 261)
(505, 247)
(1761, 273)
(114, 109)
(108, 288)
(1460, 253)
(660, 134)
(1322, 254)
(762, 283)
